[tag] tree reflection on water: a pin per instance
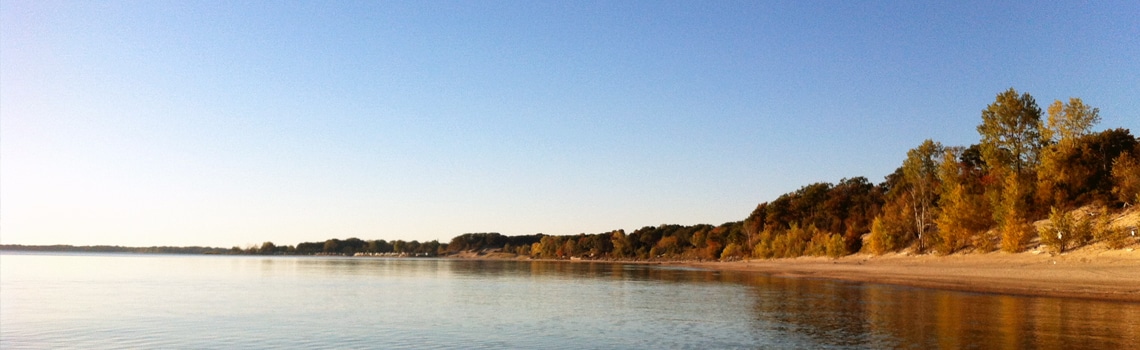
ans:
(881, 316)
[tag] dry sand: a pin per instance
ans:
(1091, 273)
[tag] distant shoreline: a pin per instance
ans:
(66, 248)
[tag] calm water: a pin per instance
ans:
(162, 301)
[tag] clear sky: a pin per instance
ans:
(236, 122)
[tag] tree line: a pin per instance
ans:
(943, 199)
(986, 196)
(114, 249)
(1028, 165)
(349, 247)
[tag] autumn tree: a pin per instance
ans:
(550, 247)
(762, 248)
(846, 209)
(599, 245)
(1069, 121)
(666, 247)
(1011, 132)
(852, 204)
(920, 171)
(1015, 226)
(621, 246)
(569, 248)
(714, 243)
(891, 229)
(887, 230)
(965, 213)
(1011, 145)
(731, 252)
(1126, 177)
(1078, 170)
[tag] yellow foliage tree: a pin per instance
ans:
(1012, 138)
(920, 170)
(1069, 121)
(1068, 170)
(965, 213)
(1014, 222)
(1126, 178)
(890, 230)
(731, 252)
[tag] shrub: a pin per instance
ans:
(762, 250)
(1126, 178)
(818, 244)
(731, 252)
(887, 235)
(1116, 238)
(985, 242)
(1066, 231)
(1102, 230)
(1056, 234)
(1014, 234)
(836, 247)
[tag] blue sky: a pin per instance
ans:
(233, 123)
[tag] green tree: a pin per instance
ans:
(332, 246)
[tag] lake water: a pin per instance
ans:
(93, 301)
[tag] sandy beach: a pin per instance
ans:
(1090, 273)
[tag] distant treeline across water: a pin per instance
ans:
(117, 249)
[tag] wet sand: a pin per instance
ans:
(1087, 273)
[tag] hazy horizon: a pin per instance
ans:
(227, 124)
